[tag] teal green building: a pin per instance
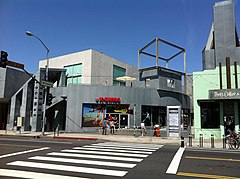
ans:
(215, 109)
(216, 92)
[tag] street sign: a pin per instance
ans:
(15, 64)
(46, 83)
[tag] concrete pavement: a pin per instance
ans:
(116, 138)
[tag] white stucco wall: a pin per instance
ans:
(97, 68)
(83, 57)
(102, 68)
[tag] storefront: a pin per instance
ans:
(116, 103)
(220, 113)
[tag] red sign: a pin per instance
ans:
(108, 100)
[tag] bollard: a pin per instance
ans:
(224, 141)
(201, 140)
(212, 141)
(190, 140)
(57, 130)
(182, 141)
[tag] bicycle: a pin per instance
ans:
(233, 140)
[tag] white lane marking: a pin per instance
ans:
(32, 175)
(96, 156)
(124, 148)
(23, 152)
(89, 162)
(69, 168)
(34, 140)
(112, 150)
(135, 144)
(105, 153)
(173, 167)
(125, 145)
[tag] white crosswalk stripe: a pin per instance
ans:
(69, 168)
(107, 159)
(32, 175)
(91, 162)
(133, 144)
(112, 150)
(120, 148)
(128, 145)
(95, 156)
(105, 153)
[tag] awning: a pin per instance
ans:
(125, 78)
(214, 100)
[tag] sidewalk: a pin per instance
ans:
(116, 138)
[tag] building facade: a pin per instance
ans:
(216, 88)
(11, 81)
(86, 89)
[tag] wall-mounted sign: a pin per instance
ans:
(224, 94)
(108, 100)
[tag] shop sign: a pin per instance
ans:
(108, 100)
(224, 94)
(124, 111)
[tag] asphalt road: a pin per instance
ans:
(48, 158)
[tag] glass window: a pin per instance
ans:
(170, 83)
(210, 115)
(238, 115)
(118, 72)
(74, 74)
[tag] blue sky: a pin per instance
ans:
(118, 28)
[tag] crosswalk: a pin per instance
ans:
(101, 159)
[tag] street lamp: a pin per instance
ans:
(46, 78)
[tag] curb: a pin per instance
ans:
(74, 138)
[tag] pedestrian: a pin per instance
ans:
(156, 130)
(104, 127)
(143, 128)
(112, 127)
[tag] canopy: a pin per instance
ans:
(125, 78)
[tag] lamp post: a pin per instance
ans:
(46, 78)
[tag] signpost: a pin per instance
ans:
(15, 64)
(47, 83)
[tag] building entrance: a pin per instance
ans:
(229, 119)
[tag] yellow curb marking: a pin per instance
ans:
(218, 159)
(204, 175)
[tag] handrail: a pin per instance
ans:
(201, 129)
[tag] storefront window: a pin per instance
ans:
(210, 115)
(185, 121)
(118, 113)
(238, 115)
(93, 115)
(152, 115)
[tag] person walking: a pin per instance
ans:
(104, 127)
(112, 127)
(143, 128)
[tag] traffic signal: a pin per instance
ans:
(49, 99)
(3, 62)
